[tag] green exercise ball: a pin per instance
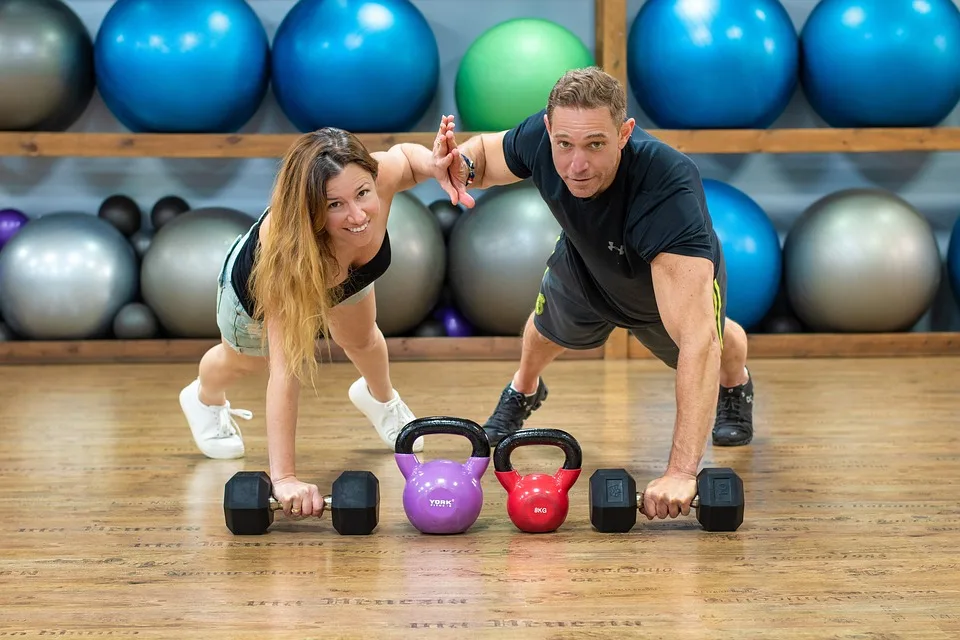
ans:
(507, 73)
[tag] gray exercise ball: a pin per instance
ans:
(180, 271)
(64, 276)
(861, 260)
(141, 240)
(46, 66)
(135, 321)
(498, 253)
(410, 288)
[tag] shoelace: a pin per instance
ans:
(514, 405)
(731, 405)
(394, 410)
(228, 426)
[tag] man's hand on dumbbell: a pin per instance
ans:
(669, 495)
(615, 502)
(299, 499)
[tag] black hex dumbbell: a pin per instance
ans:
(249, 505)
(614, 501)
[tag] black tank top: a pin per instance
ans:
(357, 277)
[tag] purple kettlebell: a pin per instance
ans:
(442, 496)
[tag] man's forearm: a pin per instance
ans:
(698, 380)
(475, 150)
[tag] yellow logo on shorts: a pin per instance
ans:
(540, 302)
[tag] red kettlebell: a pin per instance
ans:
(538, 502)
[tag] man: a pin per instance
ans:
(638, 251)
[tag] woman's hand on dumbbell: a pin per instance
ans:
(299, 499)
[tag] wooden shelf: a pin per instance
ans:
(841, 345)
(762, 346)
(719, 141)
(159, 351)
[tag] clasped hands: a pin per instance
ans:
(449, 168)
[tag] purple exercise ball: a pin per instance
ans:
(11, 221)
(454, 324)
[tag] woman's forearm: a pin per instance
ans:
(283, 393)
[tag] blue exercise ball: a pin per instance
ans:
(713, 64)
(182, 66)
(751, 248)
(953, 260)
(882, 63)
(361, 65)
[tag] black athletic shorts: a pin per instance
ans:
(566, 315)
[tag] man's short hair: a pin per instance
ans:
(589, 88)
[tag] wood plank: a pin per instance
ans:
(164, 145)
(813, 140)
(610, 25)
(115, 523)
(92, 145)
(840, 345)
(617, 346)
(401, 349)
(610, 20)
(486, 348)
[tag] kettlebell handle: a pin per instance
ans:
(444, 424)
(524, 437)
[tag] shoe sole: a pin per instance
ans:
(738, 443)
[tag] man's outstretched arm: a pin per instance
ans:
(685, 298)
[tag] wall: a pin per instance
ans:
(782, 184)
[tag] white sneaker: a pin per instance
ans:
(388, 418)
(213, 427)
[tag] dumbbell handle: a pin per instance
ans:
(276, 505)
(694, 504)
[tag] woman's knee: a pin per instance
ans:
(234, 359)
(359, 339)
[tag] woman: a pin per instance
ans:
(304, 270)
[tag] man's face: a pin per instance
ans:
(586, 146)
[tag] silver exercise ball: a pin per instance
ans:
(861, 260)
(498, 253)
(65, 276)
(180, 270)
(135, 321)
(46, 66)
(410, 288)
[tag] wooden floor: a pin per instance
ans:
(114, 523)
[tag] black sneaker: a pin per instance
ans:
(734, 425)
(513, 408)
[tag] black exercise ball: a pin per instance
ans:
(123, 213)
(166, 209)
(447, 214)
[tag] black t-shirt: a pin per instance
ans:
(655, 204)
(358, 277)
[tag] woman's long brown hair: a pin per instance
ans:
(296, 266)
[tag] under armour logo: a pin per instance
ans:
(613, 247)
